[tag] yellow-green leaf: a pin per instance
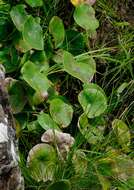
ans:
(83, 68)
(41, 162)
(84, 16)
(61, 112)
(93, 100)
(18, 16)
(37, 80)
(46, 121)
(33, 34)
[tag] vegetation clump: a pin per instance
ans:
(70, 77)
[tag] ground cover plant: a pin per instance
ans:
(70, 77)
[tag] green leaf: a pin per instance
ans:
(17, 97)
(21, 45)
(18, 16)
(74, 42)
(56, 28)
(41, 162)
(122, 133)
(46, 121)
(37, 98)
(92, 100)
(82, 69)
(61, 112)
(84, 16)
(60, 185)
(10, 59)
(34, 3)
(92, 134)
(33, 126)
(58, 56)
(40, 59)
(33, 34)
(5, 28)
(38, 81)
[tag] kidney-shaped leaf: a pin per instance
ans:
(38, 81)
(46, 121)
(122, 132)
(34, 3)
(60, 185)
(32, 34)
(61, 112)
(84, 16)
(41, 162)
(18, 16)
(82, 69)
(92, 100)
(56, 28)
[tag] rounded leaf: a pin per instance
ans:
(83, 68)
(32, 34)
(60, 185)
(61, 112)
(56, 28)
(46, 121)
(18, 16)
(92, 100)
(84, 16)
(41, 162)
